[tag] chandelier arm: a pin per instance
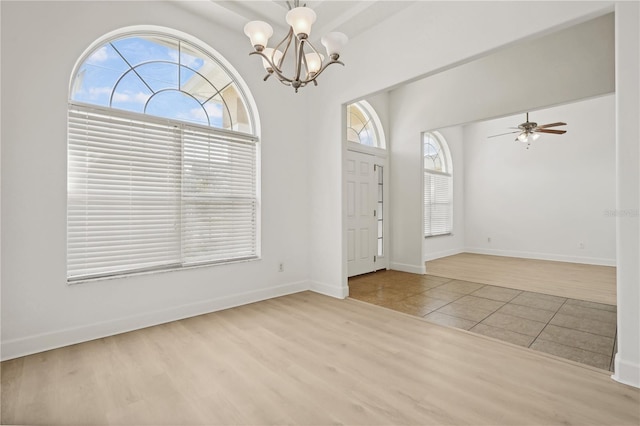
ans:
(299, 59)
(275, 70)
(286, 39)
(324, 67)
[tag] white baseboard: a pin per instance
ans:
(541, 256)
(626, 372)
(329, 290)
(403, 267)
(42, 342)
(444, 253)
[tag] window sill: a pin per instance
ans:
(449, 234)
(158, 271)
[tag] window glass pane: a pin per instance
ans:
(175, 104)
(97, 76)
(159, 75)
(130, 94)
(141, 49)
(360, 125)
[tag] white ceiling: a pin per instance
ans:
(349, 17)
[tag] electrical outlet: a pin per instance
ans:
(488, 239)
(281, 267)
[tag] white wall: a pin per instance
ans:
(41, 42)
(544, 201)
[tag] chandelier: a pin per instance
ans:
(307, 63)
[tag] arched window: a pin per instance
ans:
(363, 125)
(438, 185)
(162, 159)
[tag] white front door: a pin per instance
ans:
(362, 238)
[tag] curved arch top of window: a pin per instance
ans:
(436, 153)
(164, 76)
(363, 125)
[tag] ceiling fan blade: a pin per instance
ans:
(544, 126)
(502, 134)
(555, 132)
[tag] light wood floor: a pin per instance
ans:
(572, 280)
(307, 359)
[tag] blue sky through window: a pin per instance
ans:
(155, 75)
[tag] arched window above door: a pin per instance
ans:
(363, 125)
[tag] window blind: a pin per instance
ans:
(437, 204)
(146, 193)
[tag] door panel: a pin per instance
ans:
(361, 189)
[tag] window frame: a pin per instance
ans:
(251, 110)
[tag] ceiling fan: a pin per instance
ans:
(530, 131)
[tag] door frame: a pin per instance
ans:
(380, 158)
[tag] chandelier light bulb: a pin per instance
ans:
(273, 55)
(535, 136)
(259, 33)
(301, 19)
(334, 42)
(314, 62)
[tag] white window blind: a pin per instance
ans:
(437, 204)
(146, 193)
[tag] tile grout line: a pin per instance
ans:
(548, 322)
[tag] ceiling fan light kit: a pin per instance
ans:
(307, 62)
(529, 131)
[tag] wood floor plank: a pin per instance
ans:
(307, 359)
(591, 283)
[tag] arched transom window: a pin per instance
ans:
(438, 185)
(164, 76)
(435, 158)
(162, 159)
(363, 125)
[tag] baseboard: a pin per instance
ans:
(42, 342)
(541, 256)
(440, 254)
(403, 267)
(329, 290)
(626, 372)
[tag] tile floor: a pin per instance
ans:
(574, 329)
